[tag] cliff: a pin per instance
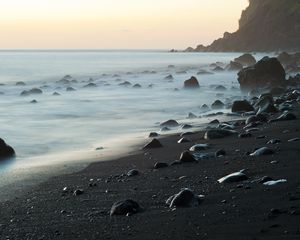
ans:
(266, 25)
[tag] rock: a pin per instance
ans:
(31, 91)
(191, 116)
(294, 140)
(204, 72)
(216, 121)
(132, 173)
(286, 116)
(153, 144)
(234, 66)
(125, 84)
(242, 106)
(251, 119)
(218, 133)
(204, 107)
(6, 151)
(160, 165)
(184, 140)
(90, 85)
(218, 69)
(245, 60)
(165, 129)
(56, 94)
(220, 152)
(217, 104)
(153, 134)
(268, 72)
(186, 134)
(199, 147)
(274, 141)
(233, 177)
(265, 179)
(171, 66)
(191, 83)
(33, 101)
(20, 83)
(78, 192)
(126, 207)
(274, 182)
(70, 89)
(262, 151)
(169, 77)
(186, 156)
(136, 86)
(169, 123)
(185, 198)
(220, 88)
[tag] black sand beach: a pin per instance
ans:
(239, 210)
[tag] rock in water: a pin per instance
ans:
(233, 177)
(185, 198)
(234, 66)
(153, 134)
(169, 123)
(262, 151)
(6, 151)
(268, 72)
(186, 156)
(184, 140)
(218, 133)
(245, 60)
(242, 106)
(125, 207)
(217, 104)
(191, 83)
(153, 144)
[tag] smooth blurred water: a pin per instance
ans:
(61, 128)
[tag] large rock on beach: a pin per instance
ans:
(233, 177)
(186, 156)
(191, 83)
(185, 198)
(6, 151)
(218, 133)
(126, 207)
(154, 143)
(242, 106)
(268, 72)
(217, 104)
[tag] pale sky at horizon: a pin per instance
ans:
(118, 24)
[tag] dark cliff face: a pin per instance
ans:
(266, 25)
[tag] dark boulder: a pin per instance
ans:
(286, 116)
(217, 104)
(132, 173)
(160, 165)
(233, 177)
(242, 106)
(153, 144)
(234, 66)
(268, 72)
(169, 123)
(245, 60)
(186, 156)
(126, 207)
(20, 83)
(6, 151)
(218, 133)
(185, 198)
(191, 83)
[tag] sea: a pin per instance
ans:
(118, 97)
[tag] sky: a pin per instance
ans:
(115, 24)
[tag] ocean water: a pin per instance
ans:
(71, 126)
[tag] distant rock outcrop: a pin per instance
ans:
(266, 25)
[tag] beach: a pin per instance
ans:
(242, 210)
